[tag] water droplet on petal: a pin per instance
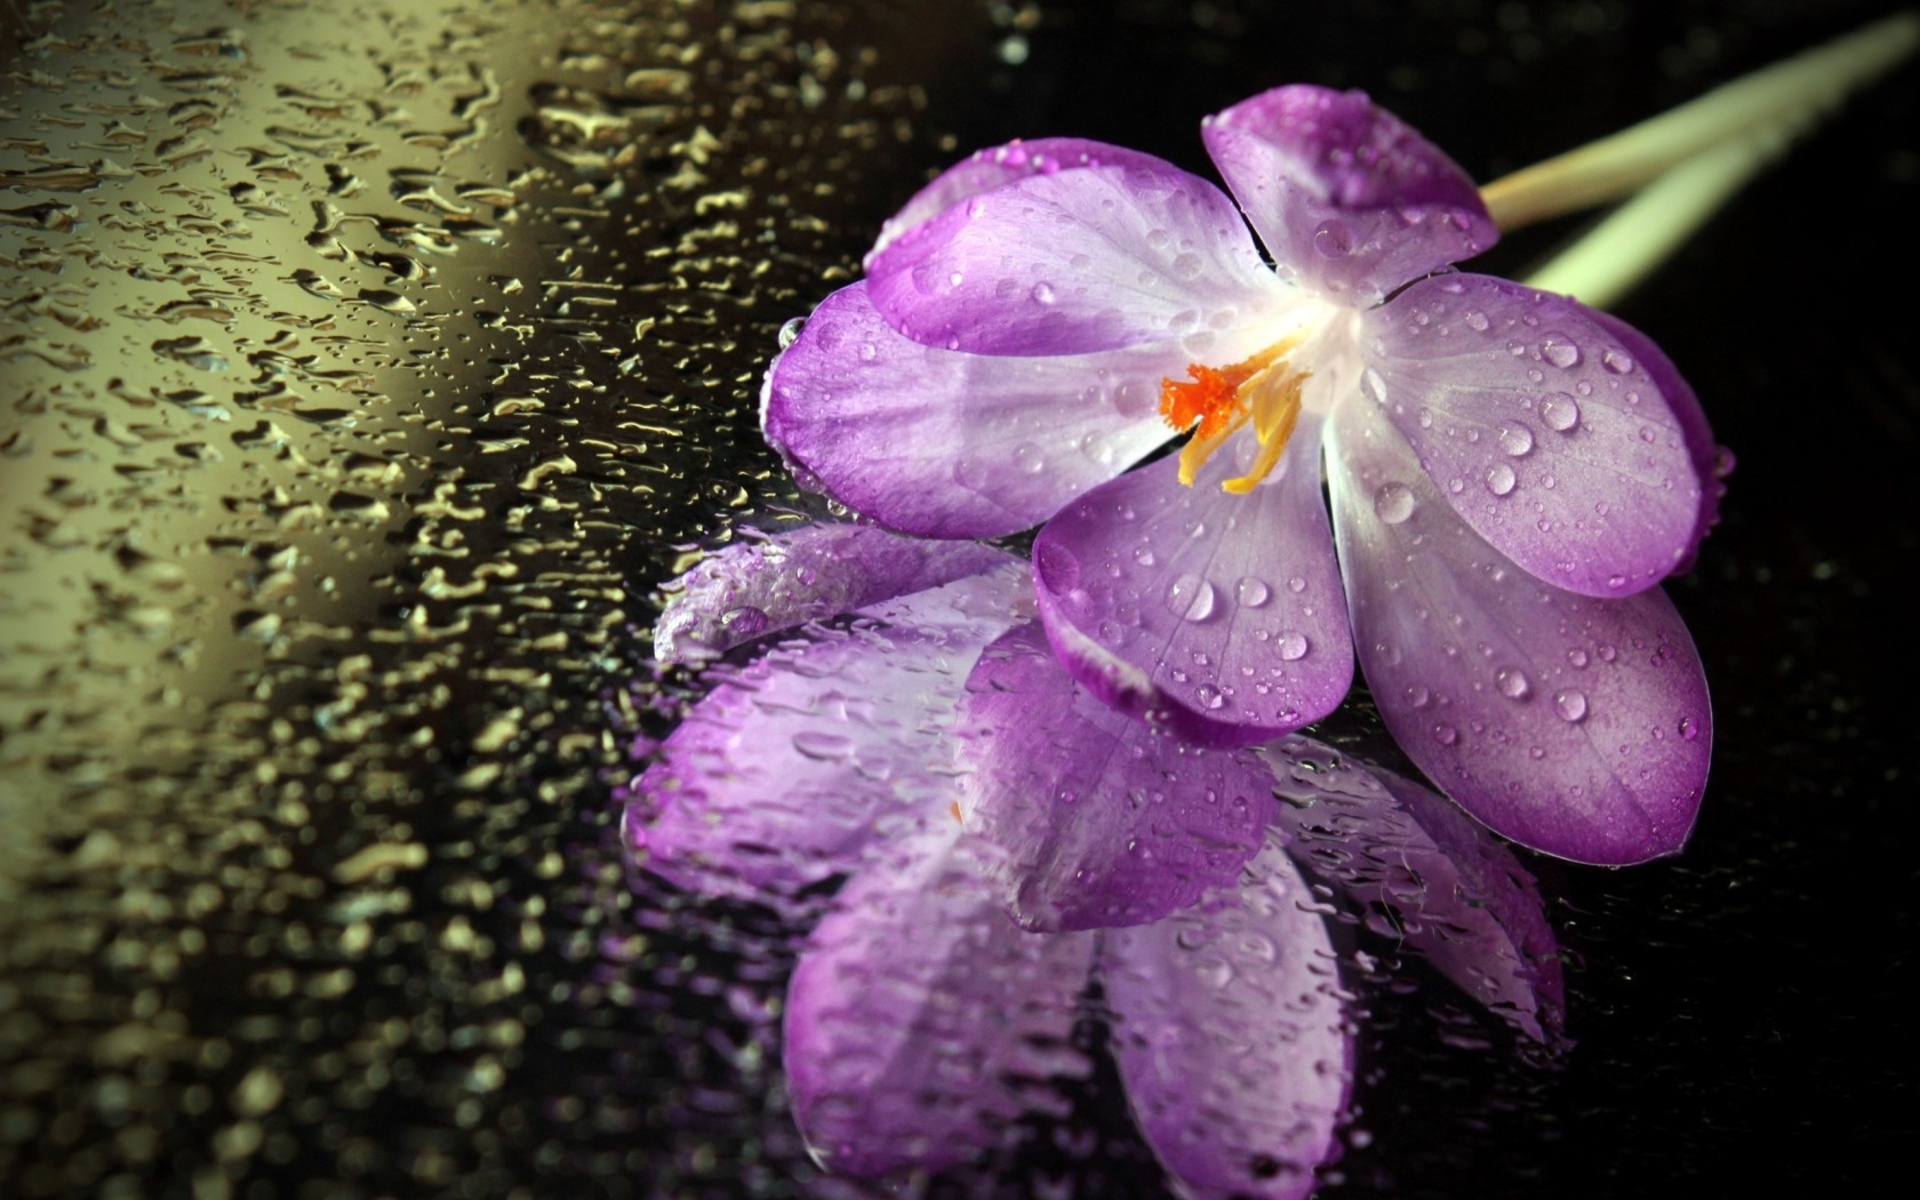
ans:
(1418, 696)
(1616, 360)
(1292, 646)
(1689, 729)
(1571, 705)
(827, 747)
(1190, 598)
(1446, 735)
(1333, 238)
(1577, 657)
(1501, 479)
(1393, 502)
(1209, 696)
(1516, 440)
(1252, 593)
(1296, 585)
(1476, 320)
(1029, 458)
(1042, 293)
(1512, 683)
(790, 332)
(1559, 349)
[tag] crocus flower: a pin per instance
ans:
(935, 751)
(1511, 473)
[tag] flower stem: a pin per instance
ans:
(1761, 112)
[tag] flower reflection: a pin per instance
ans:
(1014, 848)
(1512, 474)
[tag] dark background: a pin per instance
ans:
(490, 443)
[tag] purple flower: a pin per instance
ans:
(1511, 473)
(935, 751)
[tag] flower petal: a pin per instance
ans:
(767, 584)
(944, 444)
(1230, 1037)
(1220, 614)
(1084, 259)
(1347, 198)
(1541, 429)
(1100, 819)
(922, 1021)
(1455, 893)
(1711, 463)
(987, 169)
(1576, 726)
(785, 774)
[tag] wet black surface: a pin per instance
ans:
(363, 373)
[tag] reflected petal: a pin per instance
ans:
(787, 772)
(1230, 1037)
(1101, 820)
(765, 585)
(1457, 894)
(921, 1021)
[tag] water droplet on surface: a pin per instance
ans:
(1187, 267)
(1559, 349)
(1190, 598)
(1446, 735)
(1333, 238)
(745, 621)
(827, 747)
(1577, 657)
(1292, 646)
(1393, 502)
(1476, 320)
(1296, 585)
(1512, 683)
(1042, 293)
(1418, 696)
(1689, 729)
(1252, 593)
(1571, 705)
(1516, 440)
(1209, 696)
(1029, 458)
(790, 332)
(1616, 360)
(1501, 479)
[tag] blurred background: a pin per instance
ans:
(364, 368)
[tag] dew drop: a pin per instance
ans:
(1571, 705)
(1501, 479)
(1512, 683)
(790, 332)
(1292, 646)
(1333, 238)
(1393, 502)
(1190, 598)
(1560, 411)
(1559, 349)
(1042, 293)
(1446, 735)
(1476, 320)
(1577, 657)
(1516, 440)
(1029, 458)
(1187, 267)
(1252, 593)
(1616, 360)
(1689, 729)
(1418, 696)
(1209, 696)
(1296, 585)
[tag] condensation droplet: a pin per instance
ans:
(1512, 683)
(1252, 593)
(1571, 705)
(1446, 735)
(1501, 479)
(1292, 646)
(1516, 440)
(1190, 598)
(790, 332)
(1393, 502)
(1559, 349)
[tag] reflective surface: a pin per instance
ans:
(366, 366)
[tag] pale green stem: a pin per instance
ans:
(1768, 106)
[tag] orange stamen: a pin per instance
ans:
(1212, 400)
(1219, 400)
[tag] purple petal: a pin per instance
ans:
(785, 774)
(1545, 432)
(987, 169)
(922, 1021)
(945, 444)
(1710, 462)
(776, 582)
(1100, 819)
(1348, 200)
(1219, 614)
(1576, 726)
(1458, 896)
(1230, 1037)
(1077, 261)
